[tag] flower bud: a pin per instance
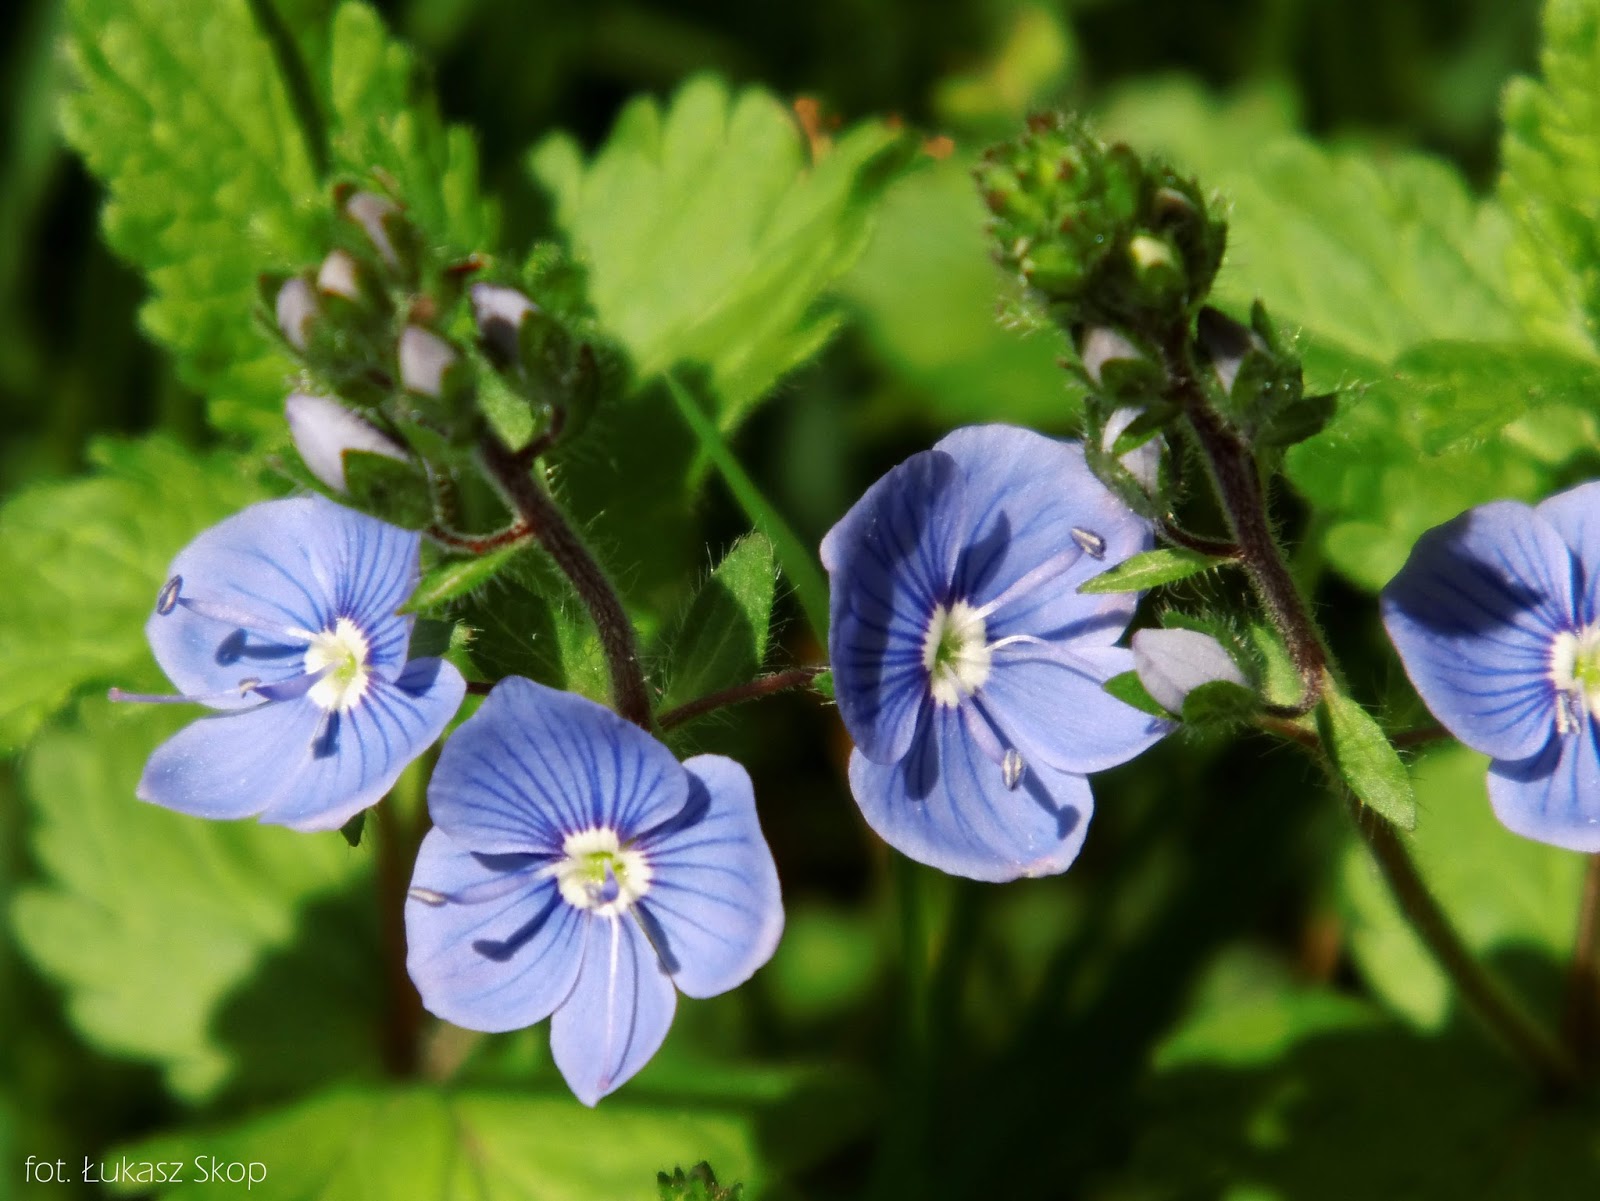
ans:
(296, 306)
(500, 312)
(372, 213)
(1225, 344)
(323, 430)
(339, 275)
(424, 359)
(1143, 462)
(1173, 663)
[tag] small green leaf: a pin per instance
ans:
(1164, 565)
(387, 488)
(822, 684)
(1219, 704)
(1366, 759)
(352, 829)
(721, 640)
(457, 577)
(1128, 689)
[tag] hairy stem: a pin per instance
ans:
(1480, 990)
(510, 471)
(781, 681)
(1581, 1023)
(480, 544)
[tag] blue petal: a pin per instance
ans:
(534, 765)
(713, 910)
(358, 756)
(231, 765)
(499, 963)
(618, 1014)
(891, 558)
(1473, 613)
(284, 565)
(1553, 796)
(946, 805)
(1049, 703)
(1026, 495)
(1575, 514)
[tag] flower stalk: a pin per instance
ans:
(1581, 1023)
(769, 685)
(510, 472)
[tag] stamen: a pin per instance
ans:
(244, 688)
(1050, 569)
(1093, 544)
(238, 618)
(427, 896)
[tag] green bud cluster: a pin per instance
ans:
(1098, 235)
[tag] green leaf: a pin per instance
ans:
(87, 558)
(1164, 565)
(145, 918)
(457, 577)
(1511, 898)
(1219, 703)
(473, 1146)
(710, 234)
(1551, 155)
(183, 113)
(1128, 689)
(721, 639)
(1366, 759)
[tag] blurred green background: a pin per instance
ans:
(1184, 1013)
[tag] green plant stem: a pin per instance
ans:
(796, 559)
(769, 685)
(511, 472)
(402, 1028)
(1478, 987)
(1581, 1022)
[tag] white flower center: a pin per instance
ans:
(955, 652)
(1575, 671)
(343, 652)
(599, 874)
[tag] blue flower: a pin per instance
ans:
(577, 868)
(1496, 616)
(284, 617)
(966, 666)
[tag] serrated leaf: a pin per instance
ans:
(1509, 897)
(721, 640)
(1128, 689)
(183, 113)
(401, 1145)
(145, 918)
(1164, 565)
(457, 577)
(1551, 154)
(87, 558)
(1366, 759)
(710, 235)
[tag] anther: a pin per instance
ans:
(1011, 768)
(167, 599)
(427, 896)
(1093, 544)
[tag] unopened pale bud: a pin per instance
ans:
(323, 429)
(500, 312)
(1173, 663)
(1101, 346)
(371, 212)
(296, 306)
(1226, 344)
(424, 359)
(1143, 462)
(339, 275)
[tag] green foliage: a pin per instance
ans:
(146, 918)
(698, 1184)
(474, 1145)
(1130, 690)
(721, 639)
(1509, 897)
(1219, 703)
(1164, 565)
(1365, 759)
(204, 205)
(87, 558)
(1551, 155)
(457, 577)
(710, 232)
